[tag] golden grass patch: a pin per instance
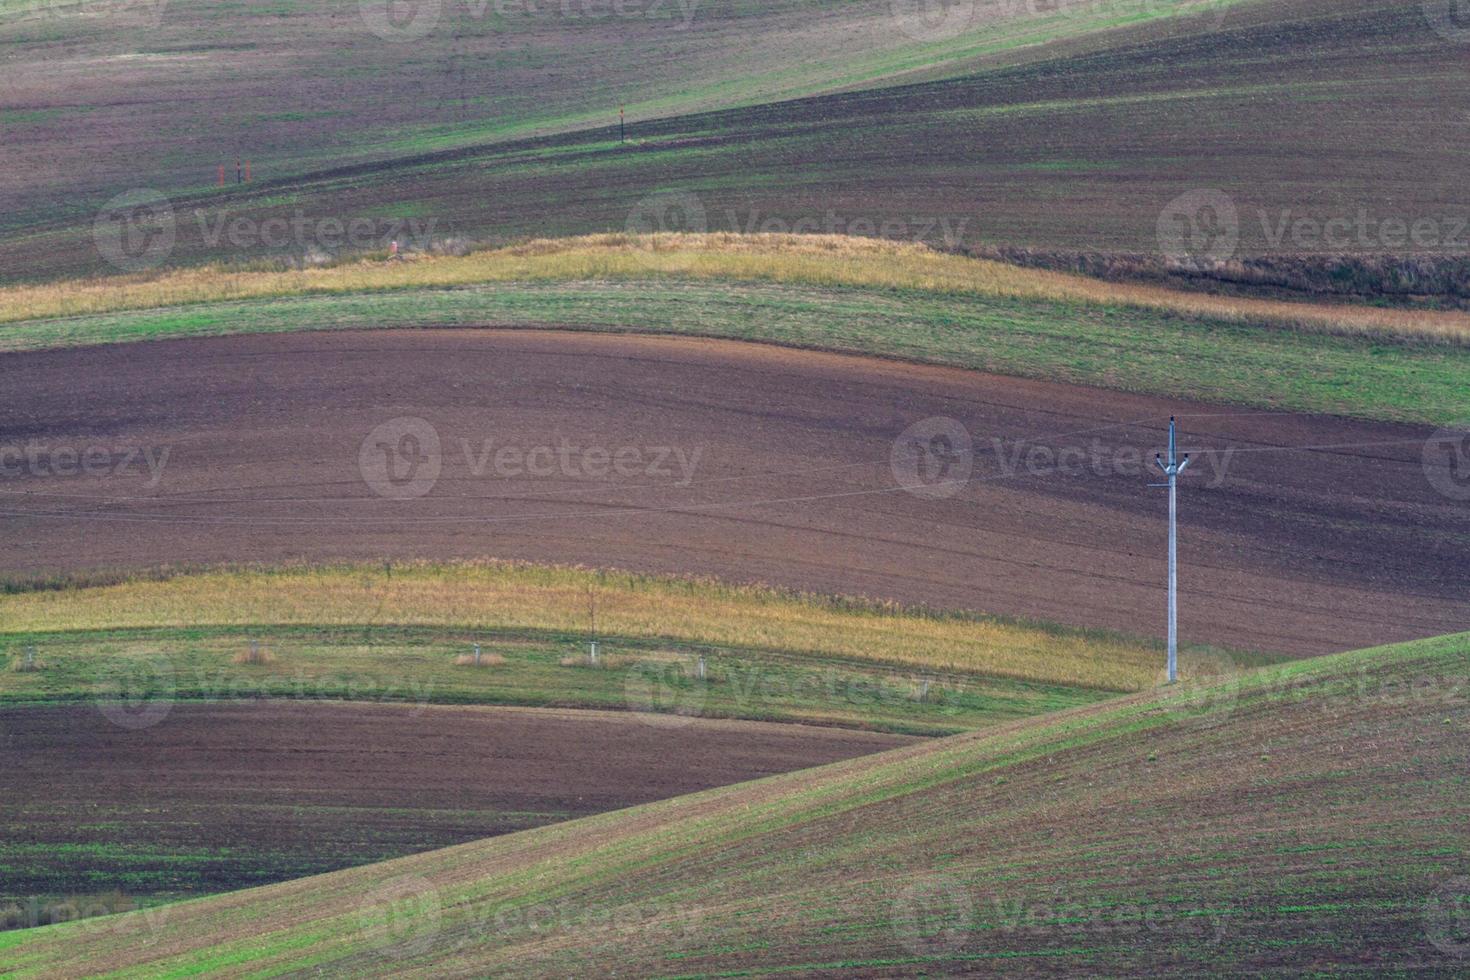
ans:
(496, 596)
(820, 260)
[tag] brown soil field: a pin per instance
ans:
(747, 462)
(237, 793)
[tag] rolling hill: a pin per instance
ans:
(1309, 816)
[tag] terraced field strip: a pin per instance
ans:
(424, 609)
(824, 261)
(422, 666)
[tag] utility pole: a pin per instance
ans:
(592, 617)
(1172, 469)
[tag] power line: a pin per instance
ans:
(1325, 447)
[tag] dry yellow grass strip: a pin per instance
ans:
(512, 596)
(821, 260)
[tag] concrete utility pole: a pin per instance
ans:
(1172, 469)
(592, 618)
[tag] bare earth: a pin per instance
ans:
(747, 462)
(237, 793)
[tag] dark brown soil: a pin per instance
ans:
(1298, 550)
(225, 795)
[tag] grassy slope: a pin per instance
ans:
(532, 668)
(871, 299)
(1077, 146)
(1301, 818)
